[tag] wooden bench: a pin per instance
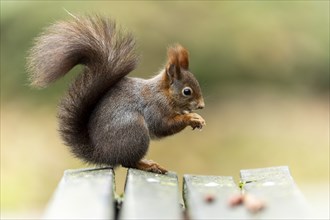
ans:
(89, 194)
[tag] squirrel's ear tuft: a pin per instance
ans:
(183, 57)
(178, 57)
(172, 66)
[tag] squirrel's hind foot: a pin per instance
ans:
(150, 166)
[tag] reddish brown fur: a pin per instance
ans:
(178, 56)
(183, 57)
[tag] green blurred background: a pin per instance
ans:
(263, 67)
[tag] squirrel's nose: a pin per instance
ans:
(201, 105)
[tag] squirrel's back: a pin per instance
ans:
(107, 53)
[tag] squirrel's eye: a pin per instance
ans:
(186, 91)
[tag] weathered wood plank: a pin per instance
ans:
(83, 194)
(275, 186)
(207, 197)
(150, 196)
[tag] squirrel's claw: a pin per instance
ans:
(196, 121)
(198, 127)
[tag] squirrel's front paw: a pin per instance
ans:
(196, 121)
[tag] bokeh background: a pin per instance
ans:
(263, 67)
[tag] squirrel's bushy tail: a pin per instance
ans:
(108, 55)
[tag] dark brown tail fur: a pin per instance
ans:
(108, 55)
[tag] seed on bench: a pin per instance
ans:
(209, 198)
(235, 200)
(253, 204)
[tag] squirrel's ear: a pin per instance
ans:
(172, 67)
(172, 72)
(183, 57)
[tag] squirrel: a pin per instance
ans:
(106, 117)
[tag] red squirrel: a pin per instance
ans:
(106, 117)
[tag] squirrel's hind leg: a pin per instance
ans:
(119, 140)
(136, 143)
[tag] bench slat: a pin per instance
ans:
(150, 196)
(276, 187)
(206, 197)
(83, 194)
